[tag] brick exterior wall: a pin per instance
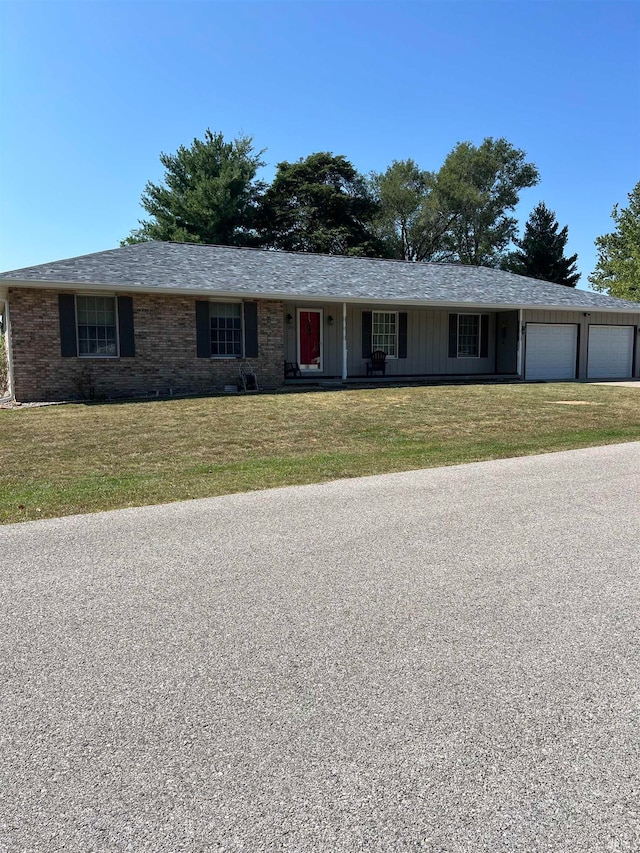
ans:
(165, 361)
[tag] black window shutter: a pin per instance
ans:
(402, 334)
(251, 329)
(453, 335)
(484, 336)
(68, 337)
(125, 327)
(203, 329)
(367, 322)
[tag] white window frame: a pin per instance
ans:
(90, 295)
(466, 355)
(228, 302)
(395, 313)
(320, 311)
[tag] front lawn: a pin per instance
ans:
(60, 460)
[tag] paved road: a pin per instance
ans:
(631, 383)
(443, 660)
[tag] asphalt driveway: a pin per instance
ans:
(442, 660)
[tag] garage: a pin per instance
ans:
(551, 351)
(610, 354)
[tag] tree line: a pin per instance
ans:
(462, 213)
(617, 270)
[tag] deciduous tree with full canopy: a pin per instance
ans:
(410, 220)
(459, 214)
(478, 187)
(617, 271)
(541, 251)
(209, 194)
(319, 204)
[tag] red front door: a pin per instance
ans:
(309, 335)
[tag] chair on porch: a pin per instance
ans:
(292, 370)
(377, 362)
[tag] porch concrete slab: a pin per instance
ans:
(441, 660)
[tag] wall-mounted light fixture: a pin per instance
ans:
(586, 314)
(329, 320)
(289, 319)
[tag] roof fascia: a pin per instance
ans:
(300, 297)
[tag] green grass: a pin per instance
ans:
(83, 458)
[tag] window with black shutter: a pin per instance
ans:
(226, 329)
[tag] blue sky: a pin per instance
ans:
(92, 92)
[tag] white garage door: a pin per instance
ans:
(610, 352)
(551, 351)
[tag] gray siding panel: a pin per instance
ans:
(427, 345)
(428, 339)
(595, 318)
(507, 332)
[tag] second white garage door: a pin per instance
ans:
(610, 352)
(551, 351)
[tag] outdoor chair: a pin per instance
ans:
(248, 379)
(292, 370)
(377, 362)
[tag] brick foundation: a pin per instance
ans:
(165, 361)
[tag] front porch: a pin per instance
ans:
(401, 381)
(333, 342)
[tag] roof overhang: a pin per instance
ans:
(294, 297)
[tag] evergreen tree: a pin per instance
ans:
(319, 204)
(618, 269)
(541, 251)
(209, 194)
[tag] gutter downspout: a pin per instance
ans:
(344, 340)
(7, 347)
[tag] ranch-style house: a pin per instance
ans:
(176, 318)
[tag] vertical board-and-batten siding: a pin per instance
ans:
(595, 318)
(427, 344)
(332, 336)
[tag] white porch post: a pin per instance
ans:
(520, 336)
(344, 340)
(8, 354)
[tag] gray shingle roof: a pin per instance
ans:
(180, 267)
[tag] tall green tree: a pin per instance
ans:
(540, 253)
(478, 187)
(319, 204)
(209, 194)
(410, 220)
(617, 271)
